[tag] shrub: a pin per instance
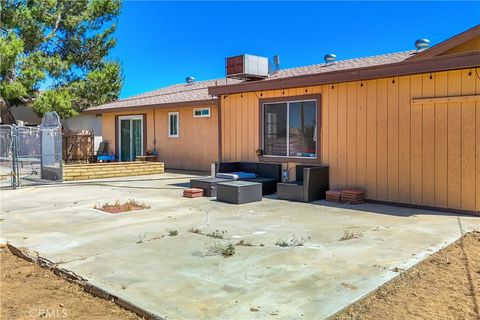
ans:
(225, 249)
(172, 233)
(292, 242)
(348, 235)
(216, 234)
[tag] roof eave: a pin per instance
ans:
(405, 67)
(448, 44)
(181, 104)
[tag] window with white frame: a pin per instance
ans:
(201, 112)
(173, 125)
(290, 129)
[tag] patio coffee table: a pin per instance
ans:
(239, 192)
(209, 185)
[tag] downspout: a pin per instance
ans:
(219, 114)
(154, 151)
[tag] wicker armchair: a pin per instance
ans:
(310, 185)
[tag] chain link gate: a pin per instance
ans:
(31, 155)
(7, 165)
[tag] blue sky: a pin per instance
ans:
(160, 43)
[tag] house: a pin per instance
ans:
(24, 115)
(19, 114)
(179, 122)
(404, 127)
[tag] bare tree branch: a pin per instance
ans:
(57, 23)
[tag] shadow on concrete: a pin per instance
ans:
(133, 179)
(130, 183)
(391, 210)
(188, 172)
(180, 184)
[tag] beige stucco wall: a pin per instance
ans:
(195, 148)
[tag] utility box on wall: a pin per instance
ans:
(247, 67)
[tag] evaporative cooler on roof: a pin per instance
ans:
(247, 67)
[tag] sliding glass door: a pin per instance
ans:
(130, 137)
(290, 129)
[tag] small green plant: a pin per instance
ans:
(292, 242)
(172, 233)
(348, 235)
(217, 234)
(296, 242)
(281, 243)
(194, 230)
(225, 249)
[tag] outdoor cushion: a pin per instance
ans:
(244, 175)
(270, 170)
(268, 173)
(262, 179)
(246, 167)
(110, 157)
(227, 176)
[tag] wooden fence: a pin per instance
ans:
(78, 146)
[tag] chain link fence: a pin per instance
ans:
(31, 155)
(7, 167)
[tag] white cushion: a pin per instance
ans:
(227, 176)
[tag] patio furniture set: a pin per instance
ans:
(243, 182)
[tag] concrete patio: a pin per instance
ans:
(131, 255)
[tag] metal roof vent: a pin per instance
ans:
(190, 79)
(330, 58)
(276, 62)
(422, 44)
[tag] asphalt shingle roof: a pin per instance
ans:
(343, 65)
(198, 91)
(182, 92)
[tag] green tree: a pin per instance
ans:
(53, 54)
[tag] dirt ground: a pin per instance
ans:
(28, 291)
(445, 286)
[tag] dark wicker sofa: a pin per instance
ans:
(268, 174)
(310, 185)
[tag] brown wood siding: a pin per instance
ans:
(371, 191)
(373, 137)
(477, 152)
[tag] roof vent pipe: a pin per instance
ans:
(330, 57)
(422, 44)
(276, 62)
(190, 79)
